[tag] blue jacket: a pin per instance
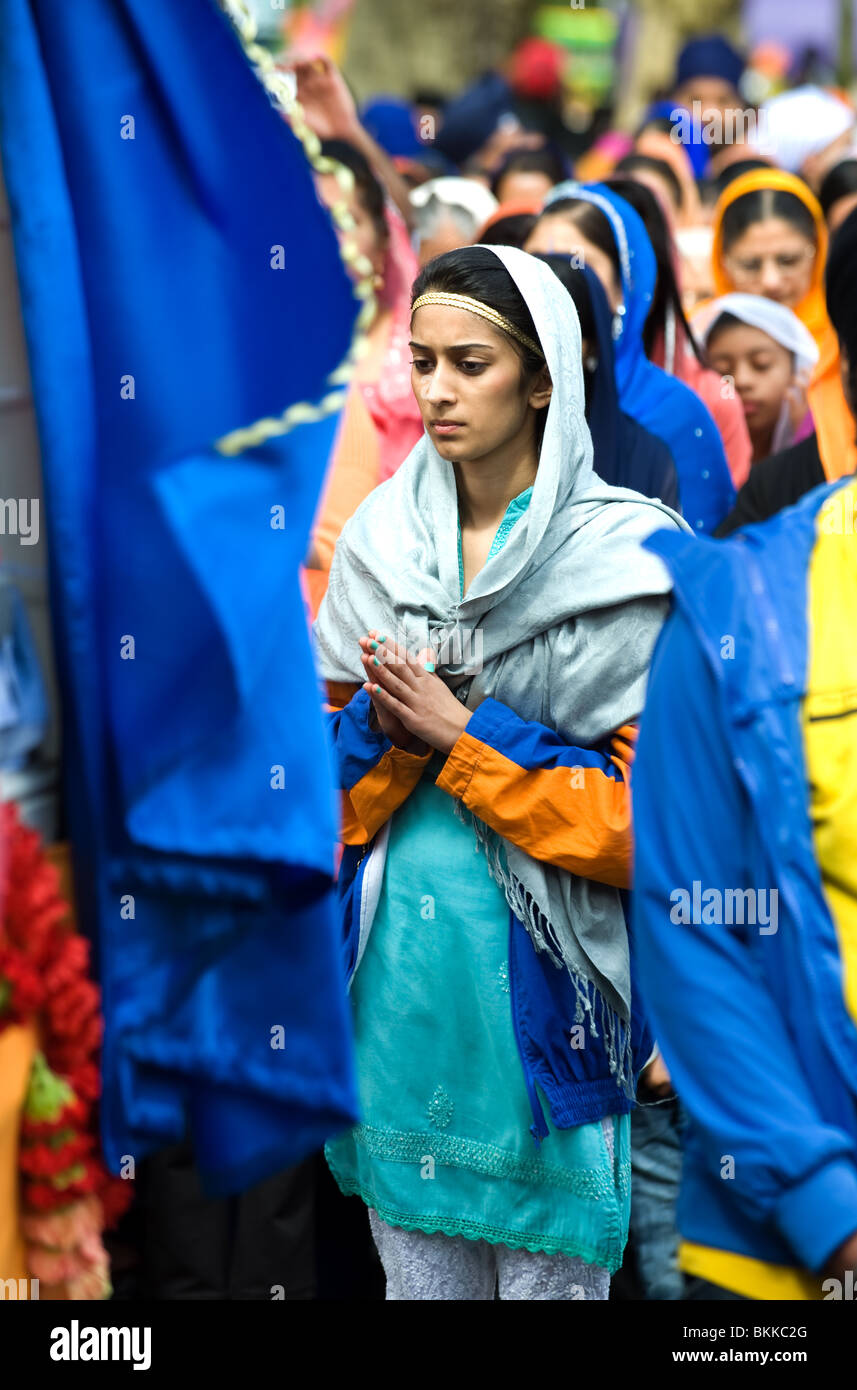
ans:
(491, 761)
(752, 1021)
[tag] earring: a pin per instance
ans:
(618, 324)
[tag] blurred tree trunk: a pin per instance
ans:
(846, 43)
(399, 46)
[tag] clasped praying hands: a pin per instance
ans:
(414, 707)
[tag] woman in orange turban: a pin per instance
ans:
(770, 239)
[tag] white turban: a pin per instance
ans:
(801, 123)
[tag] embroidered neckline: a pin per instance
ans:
(515, 510)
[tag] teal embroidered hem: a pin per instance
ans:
(592, 1184)
(475, 1230)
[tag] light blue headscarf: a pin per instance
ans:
(666, 407)
(566, 613)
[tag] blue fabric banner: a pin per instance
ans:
(179, 280)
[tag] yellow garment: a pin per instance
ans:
(17, 1049)
(830, 744)
(834, 423)
(750, 1278)
(830, 721)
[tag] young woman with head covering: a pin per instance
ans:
(668, 339)
(667, 336)
(770, 239)
(593, 223)
(767, 355)
(624, 454)
(486, 636)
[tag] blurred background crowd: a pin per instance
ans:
(682, 165)
(729, 134)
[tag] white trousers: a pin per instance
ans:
(422, 1266)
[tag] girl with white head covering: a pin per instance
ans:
(766, 355)
(486, 636)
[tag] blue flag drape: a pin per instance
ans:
(179, 280)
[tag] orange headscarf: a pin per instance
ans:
(834, 423)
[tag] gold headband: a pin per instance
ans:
(475, 306)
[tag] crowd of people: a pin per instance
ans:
(582, 376)
(453, 619)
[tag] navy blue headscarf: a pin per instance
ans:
(626, 454)
(667, 407)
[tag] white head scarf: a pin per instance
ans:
(453, 191)
(781, 324)
(567, 614)
(801, 123)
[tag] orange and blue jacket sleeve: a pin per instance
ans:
(564, 805)
(374, 776)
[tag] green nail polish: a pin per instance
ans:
(429, 666)
(376, 661)
(382, 639)
(377, 690)
(374, 646)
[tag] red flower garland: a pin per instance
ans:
(43, 976)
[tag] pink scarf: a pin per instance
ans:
(389, 399)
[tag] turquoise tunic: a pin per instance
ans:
(445, 1143)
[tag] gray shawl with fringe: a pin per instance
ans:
(559, 625)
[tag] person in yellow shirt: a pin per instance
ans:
(746, 882)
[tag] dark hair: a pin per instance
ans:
(546, 161)
(734, 171)
(637, 163)
(593, 224)
(726, 320)
(510, 231)
(478, 273)
(662, 124)
(764, 203)
(720, 324)
(575, 282)
(838, 182)
(841, 294)
(645, 204)
(577, 285)
(369, 190)
(429, 96)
